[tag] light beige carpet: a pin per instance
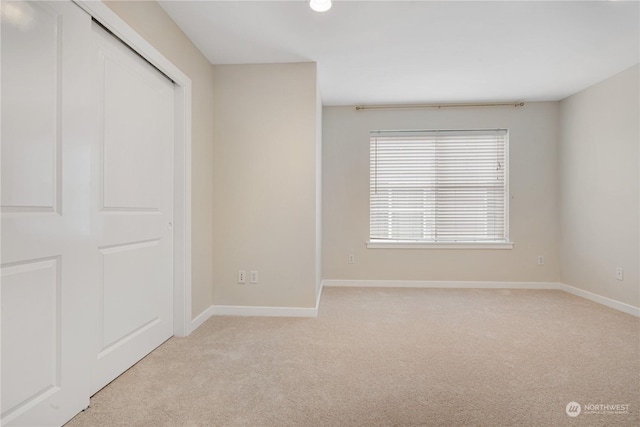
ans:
(392, 357)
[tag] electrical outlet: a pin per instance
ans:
(619, 273)
(540, 260)
(253, 276)
(352, 259)
(242, 277)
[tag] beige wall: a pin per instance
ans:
(533, 131)
(256, 174)
(152, 23)
(599, 178)
(264, 181)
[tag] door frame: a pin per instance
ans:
(182, 324)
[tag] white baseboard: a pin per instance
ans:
(611, 303)
(201, 318)
(438, 284)
(235, 310)
(231, 310)
(616, 305)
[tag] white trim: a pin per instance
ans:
(423, 245)
(319, 297)
(616, 305)
(608, 302)
(438, 284)
(201, 318)
(233, 310)
(182, 157)
(227, 310)
(182, 212)
(107, 17)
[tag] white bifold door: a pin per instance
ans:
(86, 207)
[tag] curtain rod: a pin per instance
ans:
(377, 132)
(416, 106)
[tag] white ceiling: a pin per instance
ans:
(378, 52)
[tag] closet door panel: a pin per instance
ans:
(46, 268)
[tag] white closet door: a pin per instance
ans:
(46, 268)
(86, 210)
(133, 177)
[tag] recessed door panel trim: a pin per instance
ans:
(128, 174)
(22, 202)
(50, 384)
(104, 346)
(128, 337)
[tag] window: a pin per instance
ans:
(439, 188)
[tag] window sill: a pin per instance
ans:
(421, 245)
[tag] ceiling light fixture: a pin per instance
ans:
(320, 5)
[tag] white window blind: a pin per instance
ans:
(439, 186)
